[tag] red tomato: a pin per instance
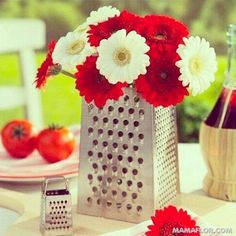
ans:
(19, 138)
(55, 144)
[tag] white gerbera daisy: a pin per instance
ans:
(102, 14)
(197, 65)
(72, 50)
(122, 57)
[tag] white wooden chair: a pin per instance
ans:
(23, 36)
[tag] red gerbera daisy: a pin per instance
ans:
(94, 86)
(160, 85)
(104, 30)
(169, 219)
(162, 29)
(47, 68)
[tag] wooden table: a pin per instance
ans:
(25, 199)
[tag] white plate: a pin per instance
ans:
(34, 168)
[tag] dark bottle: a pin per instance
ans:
(223, 114)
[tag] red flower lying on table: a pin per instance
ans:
(173, 222)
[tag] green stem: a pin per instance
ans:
(68, 74)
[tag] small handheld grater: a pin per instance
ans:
(56, 209)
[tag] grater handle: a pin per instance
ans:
(54, 179)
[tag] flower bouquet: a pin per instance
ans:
(131, 72)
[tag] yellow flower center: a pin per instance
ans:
(195, 65)
(122, 56)
(76, 47)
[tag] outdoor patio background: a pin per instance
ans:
(61, 102)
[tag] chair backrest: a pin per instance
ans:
(23, 36)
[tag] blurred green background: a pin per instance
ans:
(61, 102)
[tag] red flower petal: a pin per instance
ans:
(104, 30)
(44, 71)
(160, 86)
(94, 86)
(162, 29)
(169, 218)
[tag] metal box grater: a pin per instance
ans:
(56, 209)
(128, 159)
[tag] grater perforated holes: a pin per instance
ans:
(139, 184)
(98, 201)
(124, 170)
(100, 131)
(135, 171)
(130, 135)
(90, 130)
(104, 167)
(120, 134)
(110, 132)
(95, 142)
(100, 155)
(129, 183)
(109, 156)
(130, 159)
(109, 203)
(136, 124)
(125, 146)
(104, 191)
(89, 200)
(114, 168)
(136, 99)
(115, 145)
(94, 189)
(109, 180)
(124, 194)
(129, 206)
(126, 122)
(90, 153)
(114, 192)
(141, 114)
(126, 98)
(140, 161)
(119, 157)
(134, 196)
(131, 111)
(105, 144)
(95, 118)
(139, 209)
(118, 205)
(110, 108)
(95, 166)
(115, 121)
(99, 178)
(119, 181)
(105, 120)
(135, 148)
(141, 136)
(121, 109)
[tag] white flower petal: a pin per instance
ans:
(197, 65)
(64, 54)
(132, 47)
